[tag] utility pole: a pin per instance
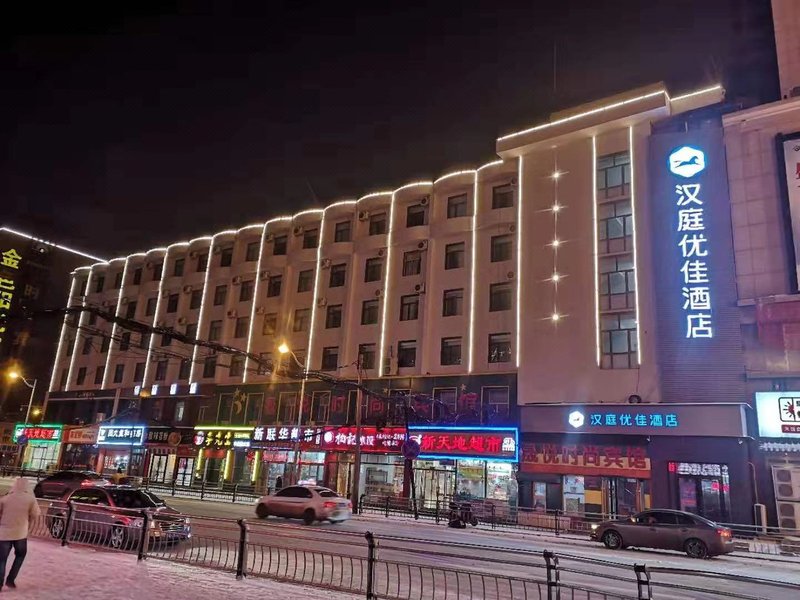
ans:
(357, 461)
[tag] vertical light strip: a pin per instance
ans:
(75, 346)
(635, 248)
(255, 301)
(117, 313)
(386, 282)
(519, 257)
(164, 268)
(193, 366)
(596, 253)
(314, 298)
(60, 349)
(473, 267)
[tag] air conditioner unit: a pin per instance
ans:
(424, 201)
(378, 293)
(423, 245)
(325, 263)
(232, 314)
(269, 238)
(788, 515)
(512, 228)
(217, 249)
(382, 252)
(419, 288)
(263, 275)
(260, 310)
(787, 483)
(182, 321)
(237, 280)
(322, 301)
(298, 230)
(363, 215)
(187, 289)
(510, 274)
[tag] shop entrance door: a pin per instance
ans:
(623, 496)
(433, 484)
(184, 473)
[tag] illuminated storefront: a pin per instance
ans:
(224, 454)
(80, 448)
(121, 447)
(170, 454)
(42, 447)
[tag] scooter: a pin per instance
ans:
(460, 515)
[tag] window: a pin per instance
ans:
(184, 369)
(125, 341)
(180, 411)
(237, 366)
(99, 283)
(454, 255)
(144, 341)
(286, 405)
(453, 303)
(130, 310)
(618, 341)
(137, 276)
(252, 251)
(274, 286)
(499, 296)
(209, 366)
(451, 351)
(138, 372)
(373, 270)
(495, 402)
(246, 291)
(119, 372)
(87, 345)
(409, 307)
(406, 353)
(166, 340)
(220, 293)
(366, 354)
(158, 269)
(161, 370)
(98, 375)
(196, 299)
(501, 248)
(613, 175)
(499, 347)
(338, 275)
(302, 317)
(310, 238)
(377, 224)
(118, 280)
(342, 231)
(191, 331)
(215, 331)
(457, 206)
(92, 318)
(330, 358)
(242, 325)
(226, 257)
(321, 403)
(416, 215)
(305, 280)
(178, 266)
(264, 358)
(270, 326)
(81, 376)
(105, 342)
(617, 282)
(279, 245)
(614, 226)
(412, 263)
(150, 308)
(172, 303)
(202, 262)
(502, 196)
(334, 317)
(369, 312)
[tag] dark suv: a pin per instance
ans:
(61, 483)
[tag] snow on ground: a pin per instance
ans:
(51, 572)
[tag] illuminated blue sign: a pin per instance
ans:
(686, 162)
(580, 420)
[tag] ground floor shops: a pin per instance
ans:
(615, 460)
(39, 445)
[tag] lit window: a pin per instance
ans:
(499, 347)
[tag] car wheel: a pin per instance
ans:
(612, 540)
(308, 516)
(261, 511)
(696, 548)
(116, 538)
(57, 527)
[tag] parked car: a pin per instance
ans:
(666, 530)
(310, 503)
(60, 483)
(112, 514)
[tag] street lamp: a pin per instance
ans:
(13, 375)
(284, 349)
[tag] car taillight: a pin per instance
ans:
(330, 505)
(349, 504)
(86, 482)
(725, 533)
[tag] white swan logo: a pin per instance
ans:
(687, 161)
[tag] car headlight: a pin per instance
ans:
(594, 526)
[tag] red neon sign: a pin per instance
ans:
(476, 443)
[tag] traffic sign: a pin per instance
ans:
(410, 449)
(23, 439)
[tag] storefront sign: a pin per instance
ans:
(9, 261)
(171, 436)
(121, 435)
(701, 469)
(486, 443)
(791, 158)
(586, 459)
(665, 419)
(223, 437)
(38, 433)
(81, 435)
(343, 439)
(778, 414)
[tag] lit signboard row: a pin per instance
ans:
(103, 435)
(579, 419)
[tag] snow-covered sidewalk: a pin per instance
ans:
(51, 572)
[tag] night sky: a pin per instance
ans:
(125, 129)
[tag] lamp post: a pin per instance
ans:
(284, 349)
(357, 458)
(13, 375)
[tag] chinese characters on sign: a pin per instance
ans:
(585, 459)
(10, 262)
(695, 298)
(632, 420)
(223, 438)
(498, 443)
(778, 414)
(127, 435)
(44, 433)
(700, 469)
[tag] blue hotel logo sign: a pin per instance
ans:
(687, 162)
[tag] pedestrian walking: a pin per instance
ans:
(18, 510)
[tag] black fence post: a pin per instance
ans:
(386, 510)
(174, 481)
(645, 592)
(493, 510)
(437, 508)
(553, 576)
(370, 565)
(235, 489)
(202, 488)
(360, 504)
(68, 524)
(241, 563)
(558, 521)
(144, 539)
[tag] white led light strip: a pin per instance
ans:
(117, 313)
(60, 348)
(59, 246)
(519, 260)
(255, 300)
(81, 318)
(200, 314)
(159, 298)
(635, 248)
(596, 254)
